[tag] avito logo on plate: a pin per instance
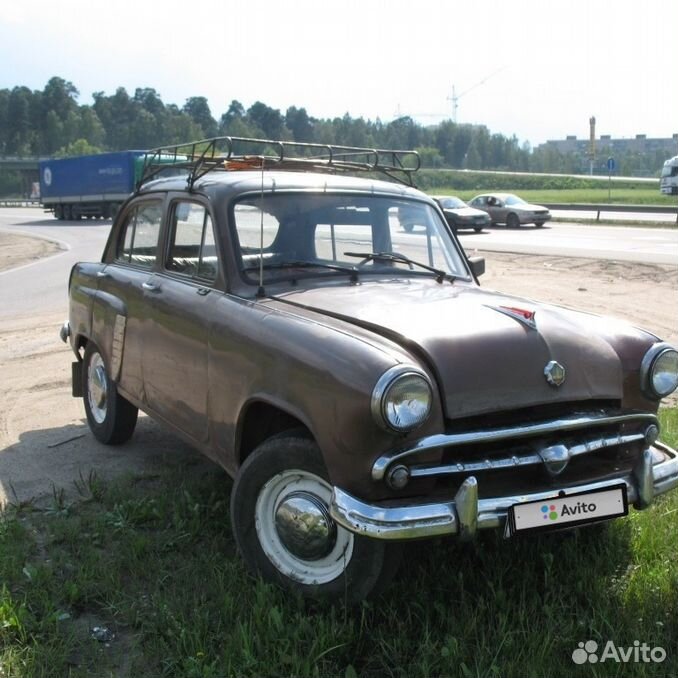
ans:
(638, 653)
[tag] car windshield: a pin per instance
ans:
(514, 200)
(451, 203)
(303, 235)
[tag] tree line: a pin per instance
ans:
(51, 122)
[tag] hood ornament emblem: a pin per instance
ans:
(522, 315)
(554, 373)
(555, 458)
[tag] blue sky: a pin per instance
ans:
(538, 70)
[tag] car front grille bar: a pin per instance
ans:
(384, 465)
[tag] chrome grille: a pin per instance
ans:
(578, 447)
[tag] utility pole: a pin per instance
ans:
(592, 143)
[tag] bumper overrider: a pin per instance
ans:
(655, 472)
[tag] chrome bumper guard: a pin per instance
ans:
(65, 332)
(655, 474)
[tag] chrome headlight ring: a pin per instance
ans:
(402, 399)
(659, 371)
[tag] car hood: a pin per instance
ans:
(465, 212)
(484, 356)
(528, 207)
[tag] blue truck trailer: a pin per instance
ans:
(89, 185)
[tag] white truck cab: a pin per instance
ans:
(668, 183)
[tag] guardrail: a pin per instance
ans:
(629, 209)
(19, 202)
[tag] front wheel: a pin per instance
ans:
(512, 221)
(282, 525)
(111, 418)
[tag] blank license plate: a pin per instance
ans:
(568, 511)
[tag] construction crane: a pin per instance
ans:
(455, 97)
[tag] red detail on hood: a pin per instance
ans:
(528, 315)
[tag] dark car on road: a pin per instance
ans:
(460, 216)
(509, 209)
(354, 379)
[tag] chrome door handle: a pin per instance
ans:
(102, 274)
(151, 286)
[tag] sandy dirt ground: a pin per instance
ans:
(45, 444)
(18, 250)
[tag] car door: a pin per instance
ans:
(119, 310)
(499, 211)
(180, 299)
(481, 203)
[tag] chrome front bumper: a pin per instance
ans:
(656, 473)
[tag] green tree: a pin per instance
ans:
(267, 119)
(430, 157)
(53, 133)
(78, 147)
(299, 123)
(199, 111)
(91, 127)
(59, 96)
(20, 132)
(4, 120)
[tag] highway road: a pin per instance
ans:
(610, 215)
(41, 286)
(617, 243)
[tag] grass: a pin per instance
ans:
(152, 560)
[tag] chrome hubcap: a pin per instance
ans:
(304, 526)
(295, 529)
(97, 388)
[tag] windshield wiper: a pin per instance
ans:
(402, 259)
(294, 263)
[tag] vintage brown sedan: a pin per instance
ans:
(354, 379)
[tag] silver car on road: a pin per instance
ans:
(509, 209)
(459, 215)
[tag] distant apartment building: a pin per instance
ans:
(648, 150)
(605, 144)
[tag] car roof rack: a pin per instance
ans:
(198, 158)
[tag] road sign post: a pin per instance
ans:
(610, 168)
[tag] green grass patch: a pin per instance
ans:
(153, 561)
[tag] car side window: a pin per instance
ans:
(138, 243)
(192, 248)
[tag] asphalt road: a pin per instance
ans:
(585, 215)
(617, 243)
(42, 286)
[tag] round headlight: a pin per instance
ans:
(402, 399)
(660, 370)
